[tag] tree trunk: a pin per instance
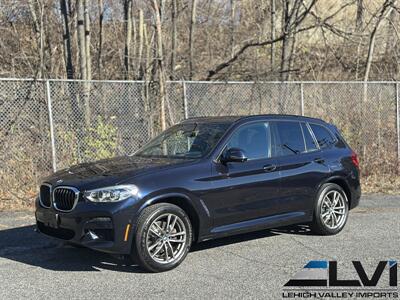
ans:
(360, 15)
(65, 6)
(232, 27)
(32, 10)
(391, 26)
(133, 47)
(385, 11)
(273, 25)
(81, 39)
(128, 35)
(141, 41)
(160, 66)
(284, 72)
(173, 38)
(191, 37)
(69, 68)
(146, 76)
(87, 41)
(38, 28)
(99, 54)
(288, 42)
(83, 58)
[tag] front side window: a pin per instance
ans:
(290, 138)
(192, 140)
(254, 139)
(324, 138)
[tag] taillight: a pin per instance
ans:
(354, 160)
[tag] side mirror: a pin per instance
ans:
(234, 155)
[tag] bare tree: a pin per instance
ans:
(391, 26)
(383, 13)
(232, 25)
(38, 28)
(51, 46)
(173, 38)
(100, 47)
(81, 39)
(69, 68)
(191, 37)
(273, 29)
(133, 46)
(160, 65)
(87, 41)
(128, 35)
(141, 44)
(289, 15)
(146, 75)
(360, 15)
(300, 16)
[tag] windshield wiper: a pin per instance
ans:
(287, 147)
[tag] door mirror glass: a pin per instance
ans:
(234, 155)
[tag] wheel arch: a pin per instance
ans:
(343, 184)
(182, 201)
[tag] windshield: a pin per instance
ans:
(193, 140)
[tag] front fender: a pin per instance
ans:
(192, 204)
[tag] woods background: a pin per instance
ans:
(200, 39)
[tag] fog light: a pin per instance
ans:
(92, 235)
(99, 228)
(99, 223)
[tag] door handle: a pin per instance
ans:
(319, 160)
(269, 168)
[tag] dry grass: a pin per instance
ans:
(387, 184)
(17, 205)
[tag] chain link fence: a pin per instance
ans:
(47, 125)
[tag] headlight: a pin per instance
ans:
(112, 193)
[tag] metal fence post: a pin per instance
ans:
(50, 111)
(185, 105)
(398, 121)
(302, 98)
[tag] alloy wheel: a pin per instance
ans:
(166, 238)
(333, 210)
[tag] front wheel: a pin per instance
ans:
(163, 237)
(331, 210)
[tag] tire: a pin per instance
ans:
(156, 247)
(328, 220)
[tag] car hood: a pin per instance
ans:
(110, 171)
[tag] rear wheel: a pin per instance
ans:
(163, 237)
(331, 211)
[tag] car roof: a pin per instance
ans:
(235, 119)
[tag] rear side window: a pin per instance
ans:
(309, 140)
(290, 138)
(324, 138)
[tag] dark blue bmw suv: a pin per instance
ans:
(202, 179)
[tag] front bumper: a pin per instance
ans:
(105, 227)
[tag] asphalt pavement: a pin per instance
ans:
(250, 266)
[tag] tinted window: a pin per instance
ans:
(253, 139)
(323, 136)
(310, 143)
(290, 138)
